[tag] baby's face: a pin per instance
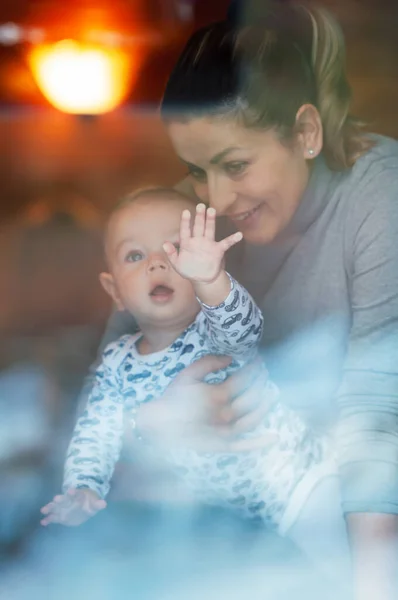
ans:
(145, 283)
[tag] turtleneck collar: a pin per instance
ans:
(313, 202)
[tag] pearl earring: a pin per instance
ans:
(311, 152)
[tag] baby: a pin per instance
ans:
(166, 269)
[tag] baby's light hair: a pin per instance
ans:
(151, 192)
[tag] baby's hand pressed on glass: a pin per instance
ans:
(73, 508)
(200, 257)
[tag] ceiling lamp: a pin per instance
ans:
(81, 78)
(85, 55)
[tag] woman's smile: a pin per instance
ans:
(247, 218)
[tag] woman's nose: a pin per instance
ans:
(220, 193)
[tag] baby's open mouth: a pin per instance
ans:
(161, 291)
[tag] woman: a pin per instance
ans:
(260, 116)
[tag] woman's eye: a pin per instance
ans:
(198, 174)
(235, 168)
(134, 256)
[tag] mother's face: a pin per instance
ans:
(247, 175)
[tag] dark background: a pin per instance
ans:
(41, 148)
(58, 160)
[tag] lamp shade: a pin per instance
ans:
(81, 78)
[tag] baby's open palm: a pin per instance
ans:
(72, 508)
(200, 256)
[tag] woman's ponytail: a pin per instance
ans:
(344, 140)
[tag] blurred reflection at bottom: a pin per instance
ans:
(162, 553)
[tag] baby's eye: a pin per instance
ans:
(197, 174)
(235, 168)
(176, 246)
(134, 256)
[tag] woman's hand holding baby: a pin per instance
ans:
(73, 508)
(200, 258)
(228, 409)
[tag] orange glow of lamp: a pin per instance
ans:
(81, 78)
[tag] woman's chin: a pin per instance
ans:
(261, 236)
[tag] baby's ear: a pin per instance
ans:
(108, 283)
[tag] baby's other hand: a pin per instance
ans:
(73, 508)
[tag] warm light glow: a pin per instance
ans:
(80, 78)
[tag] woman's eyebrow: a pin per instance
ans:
(219, 157)
(187, 163)
(216, 158)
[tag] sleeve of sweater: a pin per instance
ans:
(368, 396)
(98, 434)
(234, 327)
(119, 324)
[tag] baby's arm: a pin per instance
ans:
(232, 322)
(234, 327)
(92, 454)
(97, 438)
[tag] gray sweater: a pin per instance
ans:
(329, 294)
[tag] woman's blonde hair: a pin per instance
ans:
(262, 70)
(344, 138)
